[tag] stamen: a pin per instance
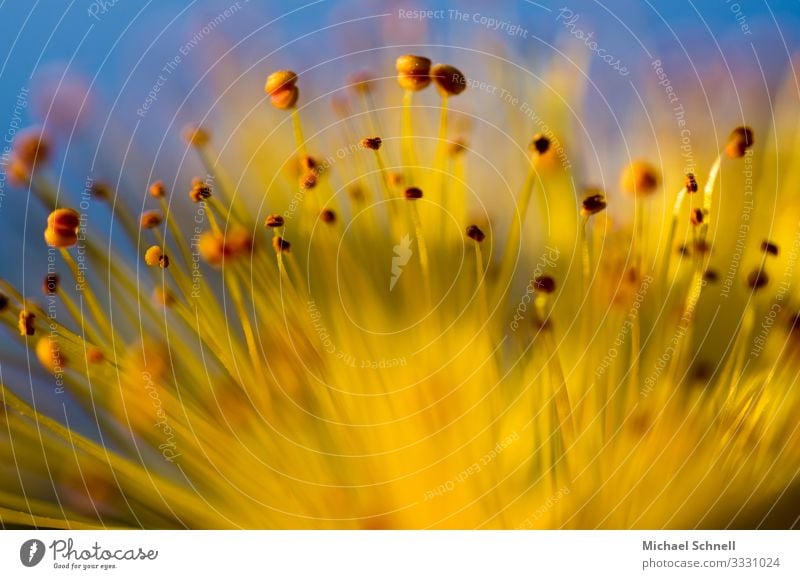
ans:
(155, 256)
(27, 321)
(413, 72)
(150, 220)
(282, 90)
(739, 141)
(640, 178)
(373, 143)
(328, 216)
(475, 233)
(449, 80)
(769, 248)
(196, 136)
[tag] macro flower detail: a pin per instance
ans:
(492, 315)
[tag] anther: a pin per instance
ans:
(274, 221)
(413, 193)
(196, 136)
(757, 279)
(157, 189)
(449, 80)
(540, 144)
(739, 141)
(31, 148)
(373, 143)
(639, 178)
(26, 323)
(62, 228)
(50, 284)
(155, 256)
(544, 284)
(200, 191)
(280, 245)
(49, 354)
(413, 72)
(150, 220)
(691, 183)
(474, 232)
(592, 204)
(282, 90)
(769, 247)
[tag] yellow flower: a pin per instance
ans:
(404, 363)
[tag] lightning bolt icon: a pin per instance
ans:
(402, 253)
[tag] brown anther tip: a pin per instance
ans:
(701, 247)
(395, 179)
(196, 136)
(373, 143)
(101, 191)
(474, 232)
(592, 204)
(697, 216)
(309, 180)
(95, 355)
(355, 193)
(274, 220)
(3, 302)
(449, 80)
(308, 163)
(237, 242)
(282, 90)
(793, 323)
(163, 297)
(639, 178)
(413, 193)
(413, 72)
(458, 147)
(757, 279)
(544, 284)
(683, 250)
(19, 175)
(27, 321)
(540, 144)
(328, 216)
(769, 247)
(711, 276)
(150, 220)
(361, 82)
(200, 192)
(50, 284)
(214, 247)
(739, 141)
(31, 148)
(280, 245)
(157, 189)
(691, 183)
